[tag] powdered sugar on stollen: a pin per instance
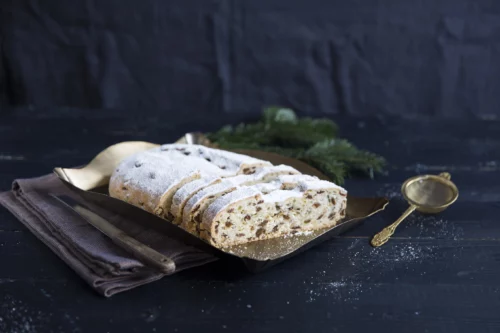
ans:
(216, 189)
(292, 181)
(264, 174)
(221, 203)
(230, 183)
(288, 186)
(149, 172)
(282, 195)
(187, 191)
(320, 184)
(274, 194)
(296, 178)
(272, 191)
(307, 182)
(268, 187)
(264, 211)
(231, 162)
(154, 174)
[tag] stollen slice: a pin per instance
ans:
(247, 214)
(195, 206)
(186, 192)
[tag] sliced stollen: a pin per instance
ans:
(185, 193)
(247, 214)
(243, 185)
(143, 179)
(150, 179)
(195, 206)
(231, 162)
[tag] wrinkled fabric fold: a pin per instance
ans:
(107, 268)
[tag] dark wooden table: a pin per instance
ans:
(438, 274)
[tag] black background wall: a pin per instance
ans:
(362, 57)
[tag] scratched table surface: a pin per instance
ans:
(438, 274)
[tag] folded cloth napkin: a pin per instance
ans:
(102, 264)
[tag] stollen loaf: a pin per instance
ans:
(226, 198)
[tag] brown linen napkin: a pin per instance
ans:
(101, 263)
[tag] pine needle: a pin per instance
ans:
(313, 141)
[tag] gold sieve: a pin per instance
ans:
(428, 194)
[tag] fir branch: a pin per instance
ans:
(313, 141)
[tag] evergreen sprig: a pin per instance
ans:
(313, 141)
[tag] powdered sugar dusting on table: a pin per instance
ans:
(361, 264)
(21, 316)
